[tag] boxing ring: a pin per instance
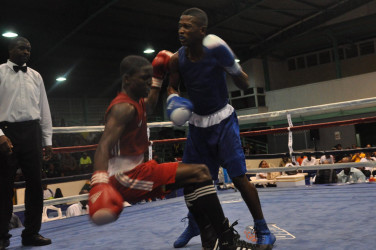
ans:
(310, 217)
(321, 216)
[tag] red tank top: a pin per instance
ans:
(134, 140)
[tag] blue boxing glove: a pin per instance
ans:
(223, 53)
(179, 109)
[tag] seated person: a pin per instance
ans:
(326, 176)
(86, 165)
(79, 208)
(309, 161)
(58, 193)
(47, 193)
(268, 176)
(368, 158)
(351, 175)
(358, 156)
(292, 164)
(327, 159)
(284, 161)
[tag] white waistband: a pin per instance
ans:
(205, 121)
(124, 163)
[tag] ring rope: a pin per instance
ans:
(271, 115)
(75, 198)
(314, 167)
(70, 199)
(247, 133)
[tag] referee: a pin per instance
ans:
(25, 125)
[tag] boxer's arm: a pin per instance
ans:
(160, 68)
(152, 99)
(173, 87)
(117, 120)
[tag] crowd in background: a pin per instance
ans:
(353, 174)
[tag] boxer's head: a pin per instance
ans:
(192, 26)
(136, 73)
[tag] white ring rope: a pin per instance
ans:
(76, 198)
(314, 167)
(254, 117)
(70, 199)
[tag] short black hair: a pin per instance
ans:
(13, 42)
(199, 14)
(131, 64)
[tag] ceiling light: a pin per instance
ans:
(9, 34)
(149, 51)
(61, 79)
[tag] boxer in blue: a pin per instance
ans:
(213, 139)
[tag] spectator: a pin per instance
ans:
(309, 161)
(25, 127)
(351, 175)
(358, 156)
(327, 159)
(58, 193)
(79, 208)
(368, 158)
(325, 176)
(68, 164)
(268, 176)
(86, 166)
(284, 161)
(247, 149)
(47, 193)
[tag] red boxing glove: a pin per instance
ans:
(105, 202)
(160, 67)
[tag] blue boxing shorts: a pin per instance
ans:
(214, 140)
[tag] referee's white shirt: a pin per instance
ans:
(23, 98)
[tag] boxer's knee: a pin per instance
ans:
(202, 173)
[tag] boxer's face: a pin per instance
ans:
(20, 54)
(140, 82)
(189, 31)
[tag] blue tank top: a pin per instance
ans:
(205, 82)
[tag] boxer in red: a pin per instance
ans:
(120, 171)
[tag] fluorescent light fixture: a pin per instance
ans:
(149, 51)
(9, 34)
(61, 79)
(237, 60)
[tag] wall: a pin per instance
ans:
(67, 188)
(344, 89)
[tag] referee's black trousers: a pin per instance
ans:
(26, 138)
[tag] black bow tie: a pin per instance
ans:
(18, 68)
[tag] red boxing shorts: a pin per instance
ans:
(145, 181)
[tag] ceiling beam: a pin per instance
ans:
(305, 25)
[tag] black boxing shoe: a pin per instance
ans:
(35, 240)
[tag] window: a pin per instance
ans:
(248, 91)
(291, 64)
(351, 51)
(261, 100)
(324, 57)
(242, 103)
(235, 93)
(366, 48)
(300, 62)
(341, 54)
(312, 60)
